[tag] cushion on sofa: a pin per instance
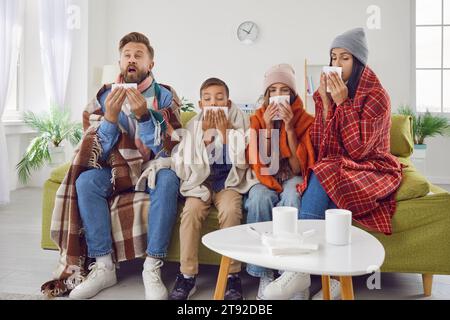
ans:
(414, 184)
(402, 143)
(58, 174)
(186, 116)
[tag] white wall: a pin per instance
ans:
(194, 40)
(197, 39)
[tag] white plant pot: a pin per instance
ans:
(419, 156)
(420, 151)
(57, 155)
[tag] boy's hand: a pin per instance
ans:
(222, 124)
(207, 124)
(137, 102)
(208, 121)
(113, 104)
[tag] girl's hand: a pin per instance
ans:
(339, 91)
(270, 113)
(286, 115)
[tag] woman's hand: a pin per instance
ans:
(286, 115)
(270, 113)
(339, 91)
(323, 86)
(324, 95)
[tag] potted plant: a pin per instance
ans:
(47, 148)
(187, 106)
(425, 125)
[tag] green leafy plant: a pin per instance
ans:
(426, 125)
(187, 106)
(52, 128)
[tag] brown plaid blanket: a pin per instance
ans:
(128, 209)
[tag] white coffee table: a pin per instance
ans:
(364, 255)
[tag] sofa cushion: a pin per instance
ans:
(414, 184)
(402, 144)
(58, 174)
(186, 116)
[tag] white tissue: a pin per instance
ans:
(123, 85)
(126, 105)
(215, 109)
(282, 245)
(278, 100)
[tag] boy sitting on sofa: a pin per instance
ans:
(211, 164)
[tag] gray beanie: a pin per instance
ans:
(354, 41)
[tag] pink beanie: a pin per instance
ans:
(281, 73)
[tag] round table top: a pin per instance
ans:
(364, 255)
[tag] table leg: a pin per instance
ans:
(326, 287)
(222, 278)
(347, 288)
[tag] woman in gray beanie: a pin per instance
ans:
(354, 168)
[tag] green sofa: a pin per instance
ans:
(420, 242)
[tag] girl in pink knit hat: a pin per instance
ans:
(281, 124)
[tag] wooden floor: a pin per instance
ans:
(24, 266)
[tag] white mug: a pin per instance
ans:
(284, 221)
(327, 70)
(338, 225)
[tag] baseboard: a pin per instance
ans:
(439, 180)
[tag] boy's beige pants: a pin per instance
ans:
(229, 205)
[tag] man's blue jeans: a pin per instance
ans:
(94, 188)
(315, 201)
(259, 203)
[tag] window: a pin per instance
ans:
(433, 56)
(14, 101)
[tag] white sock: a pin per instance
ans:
(107, 260)
(188, 277)
(151, 260)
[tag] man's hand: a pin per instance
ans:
(113, 104)
(137, 102)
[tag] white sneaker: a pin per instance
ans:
(263, 283)
(335, 291)
(301, 295)
(287, 286)
(98, 279)
(154, 287)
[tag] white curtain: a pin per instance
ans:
(10, 31)
(56, 48)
